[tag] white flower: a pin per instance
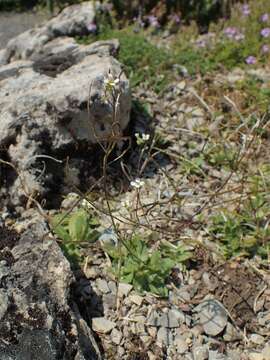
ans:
(125, 203)
(137, 183)
(86, 204)
(142, 138)
(110, 82)
(145, 137)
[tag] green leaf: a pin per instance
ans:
(92, 235)
(57, 225)
(78, 226)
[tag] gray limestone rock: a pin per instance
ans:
(53, 101)
(38, 318)
(73, 20)
(212, 316)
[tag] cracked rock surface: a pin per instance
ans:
(38, 318)
(45, 88)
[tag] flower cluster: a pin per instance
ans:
(245, 10)
(265, 32)
(265, 49)
(250, 60)
(141, 139)
(137, 183)
(265, 17)
(234, 33)
(85, 204)
(153, 21)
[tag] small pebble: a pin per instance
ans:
(256, 356)
(266, 352)
(200, 353)
(257, 339)
(212, 317)
(136, 299)
(181, 345)
(102, 325)
(124, 289)
(164, 337)
(116, 336)
(102, 285)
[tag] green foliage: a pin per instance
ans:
(246, 232)
(144, 62)
(256, 95)
(194, 165)
(74, 230)
(146, 270)
(221, 155)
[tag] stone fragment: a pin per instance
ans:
(234, 355)
(3, 303)
(102, 285)
(183, 294)
(109, 301)
(112, 287)
(180, 344)
(136, 299)
(200, 353)
(152, 331)
(266, 352)
(176, 317)
(264, 318)
(154, 318)
(124, 289)
(212, 316)
(215, 355)
(102, 325)
(256, 356)
(116, 336)
(257, 339)
(231, 333)
(164, 337)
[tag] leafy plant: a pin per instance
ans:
(74, 230)
(146, 270)
(245, 233)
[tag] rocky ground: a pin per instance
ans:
(199, 154)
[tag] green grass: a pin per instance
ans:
(144, 62)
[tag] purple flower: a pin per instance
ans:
(176, 18)
(264, 17)
(234, 33)
(265, 32)
(250, 60)
(230, 32)
(265, 49)
(245, 10)
(153, 21)
(92, 27)
(239, 37)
